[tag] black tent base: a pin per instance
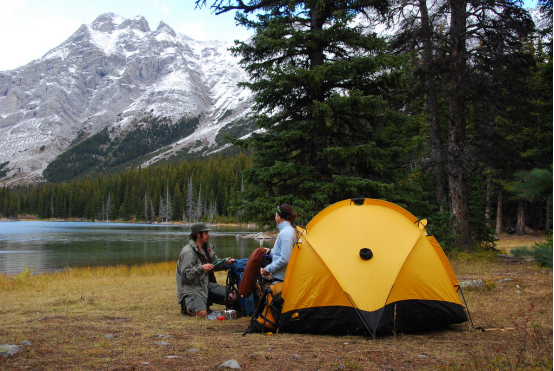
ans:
(400, 317)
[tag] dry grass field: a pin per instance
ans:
(127, 318)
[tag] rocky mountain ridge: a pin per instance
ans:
(114, 74)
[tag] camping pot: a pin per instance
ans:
(230, 314)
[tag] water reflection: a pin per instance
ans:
(49, 246)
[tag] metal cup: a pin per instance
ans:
(231, 314)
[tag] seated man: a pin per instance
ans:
(196, 284)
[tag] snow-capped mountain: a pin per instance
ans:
(111, 74)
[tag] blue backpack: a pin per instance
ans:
(247, 305)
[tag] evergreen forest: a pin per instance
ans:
(198, 189)
(107, 152)
(449, 116)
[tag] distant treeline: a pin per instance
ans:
(199, 189)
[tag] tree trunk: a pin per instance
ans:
(317, 58)
(457, 125)
(520, 228)
(548, 215)
(437, 155)
(317, 19)
(488, 200)
(499, 212)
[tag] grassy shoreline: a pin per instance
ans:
(126, 317)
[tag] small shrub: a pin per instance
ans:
(541, 252)
(533, 340)
(23, 279)
(530, 350)
(26, 274)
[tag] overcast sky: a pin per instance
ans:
(30, 28)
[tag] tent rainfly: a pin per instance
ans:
(368, 269)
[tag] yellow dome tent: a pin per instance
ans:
(366, 269)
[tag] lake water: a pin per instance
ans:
(50, 246)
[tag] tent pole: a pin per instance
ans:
(359, 315)
(383, 311)
(467, 310)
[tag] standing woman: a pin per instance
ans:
(282, 249)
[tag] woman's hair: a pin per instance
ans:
(286, 212)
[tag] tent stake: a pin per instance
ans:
(394, 326)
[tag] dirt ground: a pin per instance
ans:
(131, 321)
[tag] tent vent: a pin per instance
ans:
(366, 254)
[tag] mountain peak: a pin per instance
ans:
(109, 22)
(106, 22)
(138, 23)
(166, 28)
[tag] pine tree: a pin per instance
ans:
(198, 212)
(146, 206)
(52, 210)
(177, 205)
(325, 92)
(168, 206)
(108, 207)
(152, 211)
(162, 209)
(213, 211)
(190, 199)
